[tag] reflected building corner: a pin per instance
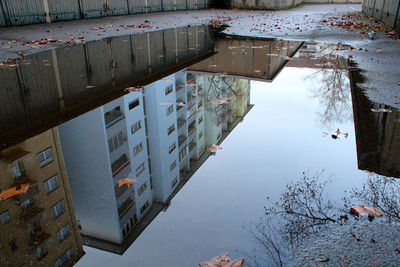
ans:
(38, 225)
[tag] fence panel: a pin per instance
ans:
(93, 8)
(22, 12)
(64, 10)
(117, 7)
(154, 5)
(136, 6)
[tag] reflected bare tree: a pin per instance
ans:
(380, 192)
(334, 92)
(304, 209)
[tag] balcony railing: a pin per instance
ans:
(113, 117)
(119, 164)
(192, 145)
(181, 139)
(38, 237)
(181, 122)
(119, 191)
(191, 129)
(30, 212)
(32, 190)
(125, 207)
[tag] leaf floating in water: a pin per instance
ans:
(380, 110)
(89, 86)
(222, 261)
(214, 148)
(13, 191)
(180, 104)
(362, 210)
(126, 181)
(221, 101)
(165, 103)
(321, 259)
(134, 89)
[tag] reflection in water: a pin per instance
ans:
(305, 209)
(332, 88)
(84, 159)
(148, 136)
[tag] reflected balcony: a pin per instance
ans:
(181, 122)
(181, 139)
(119, 165)
(192, 146)
(38, 237)
(192, 129)
(113, 117)
(30, 213)
(125, 207)
(32, 191)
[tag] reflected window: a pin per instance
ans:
(63, 233)
(200, 134)
(171, 129)
(4, 217)
(183, 153)
(51, 184)
(16, 170)
(174, 182)
(45, 157)
(200, 120)
(200, 104)
(172, 148)
(13, 244)
(57, 209)
(140, 169)
(138, 148)
(134, 104)
(136, 127)
(64, 258)
(40, 253)
(170, 109)
(173, 165)
(142, 188)
(144, 207)
(116, 141)
(168, 90)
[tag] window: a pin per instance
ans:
(138, 148)
(174, 182)
(144, 207)
(116, 141)
(142, 188)
(170, 109)
(140, 169)
(200, 120)
(119, 164)
(134, 104)
(168, 90)
(57, 209)
(64, 258)
(219, 136)
(4, 217)
(172, 148)
(183, 153)
(40, 253)
(63, 233)
(136, 127)
(13, 244)
(171, 129)
(51, 184)
(199, 88)
(173, 165)
(200, 104)
(16, 170)
(45, 157)
(200, 134)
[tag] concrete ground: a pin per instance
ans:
(378, 58)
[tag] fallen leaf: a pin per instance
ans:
(126, 181)
(89, 86)
(321, 259)
(222, 261)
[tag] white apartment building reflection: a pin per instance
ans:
(156, 137)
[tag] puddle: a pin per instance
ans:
(160, 149)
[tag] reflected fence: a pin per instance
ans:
(22, 12)
(387, 11)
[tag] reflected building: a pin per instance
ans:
(377, 130)
(38, 225)
(158, 137)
